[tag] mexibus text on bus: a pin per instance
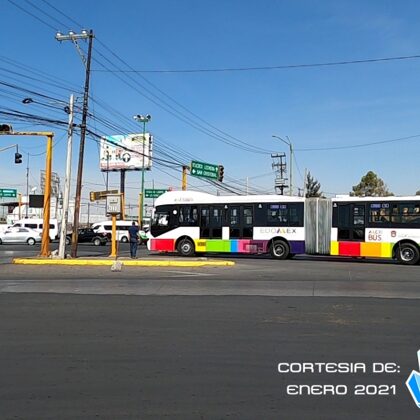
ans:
(191, 222)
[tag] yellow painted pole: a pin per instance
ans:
(114, 236)
(184, 178)
(47, 199)
(123, 206)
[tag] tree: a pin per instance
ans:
(371, 186)
(418, 192)
(313, 187)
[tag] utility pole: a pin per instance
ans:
(280, 167)
(74, 37)
(289, 143)
(122, 191)
(27, 187)
(66, 198)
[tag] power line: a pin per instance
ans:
(354, 146)
(280, 67)
(34, 16)
(45, 13)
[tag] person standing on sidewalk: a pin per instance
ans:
(133, 232)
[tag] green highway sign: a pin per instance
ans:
(204, 170)
(8, 192)
(148, 193)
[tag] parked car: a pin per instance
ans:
(89, 235)
(20, 235)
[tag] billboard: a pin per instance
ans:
(55, 183)
(131, 152)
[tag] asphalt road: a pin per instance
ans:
(190, 357)
(205, 343)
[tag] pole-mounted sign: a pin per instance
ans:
(150, 193)
(113, 204)
(204, 170)
(8, 192)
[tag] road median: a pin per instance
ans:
(124, 262)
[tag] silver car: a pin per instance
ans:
(20, 235)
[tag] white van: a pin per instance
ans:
(106, 227)
(122, 230)
(37, 225)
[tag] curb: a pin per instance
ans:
(128, 263)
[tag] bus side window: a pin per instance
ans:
(188, 215)
(395, 214)
(410, 213)
(277, 215)
(205, 216)
(293, 215)
(379, 213)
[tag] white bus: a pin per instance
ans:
(376, 227)
(189, 222)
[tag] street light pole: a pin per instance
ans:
(289, 143)
(143, 119)
(66, 198)
(74, 38)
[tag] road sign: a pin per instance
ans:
(8, 192)
(149, 193)
(113, 204)
(204, 170)
(101, 195)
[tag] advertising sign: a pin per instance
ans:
(131, 152)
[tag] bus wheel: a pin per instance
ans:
(279, 250)
(408, 254)
(185, 247)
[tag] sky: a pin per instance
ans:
(322, 110)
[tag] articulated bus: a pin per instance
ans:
(191, 222)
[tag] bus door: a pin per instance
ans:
(211, 222)
(240, 222)
(351, 222)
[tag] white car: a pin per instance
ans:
(20, 235)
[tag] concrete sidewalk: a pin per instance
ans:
(109, 261)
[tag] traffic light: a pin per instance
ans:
(220, 173)
(6, 129)
(18, 157)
